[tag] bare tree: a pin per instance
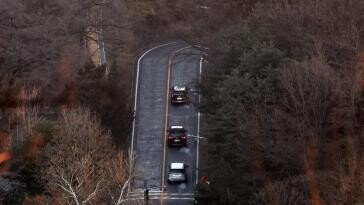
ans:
(312, 90)
(83, 165)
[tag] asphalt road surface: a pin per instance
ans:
(184, 71)
(159, 69)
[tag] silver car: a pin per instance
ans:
(177, 173)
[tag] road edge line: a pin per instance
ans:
(198, 122)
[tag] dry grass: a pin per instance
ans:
(25, 116)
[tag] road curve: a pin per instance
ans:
(159, 68)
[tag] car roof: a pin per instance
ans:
(177, 165)
(176, 127)
(179, 88)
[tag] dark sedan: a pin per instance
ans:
(177, 136)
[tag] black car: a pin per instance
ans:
(177, 136)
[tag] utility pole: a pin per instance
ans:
(100, 39)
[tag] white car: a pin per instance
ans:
(179, 94)
(177, 173)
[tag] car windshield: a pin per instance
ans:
(178, 92)
(177, 132)
(176, 170)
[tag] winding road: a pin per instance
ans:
(159, 68)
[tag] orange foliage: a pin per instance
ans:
(4, 141)
(36, 142)
(69, 97)
(360, 72)
(5, 162)
(65, 67)
(4, 156)
(33, 200)
(310, 161)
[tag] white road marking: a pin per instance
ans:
(186, 150)
(165, 194)
(198, 123)
(136, 96)
(163, 198)
(136, 196)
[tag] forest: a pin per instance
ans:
(282, 98)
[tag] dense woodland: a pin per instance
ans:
(282, 98)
